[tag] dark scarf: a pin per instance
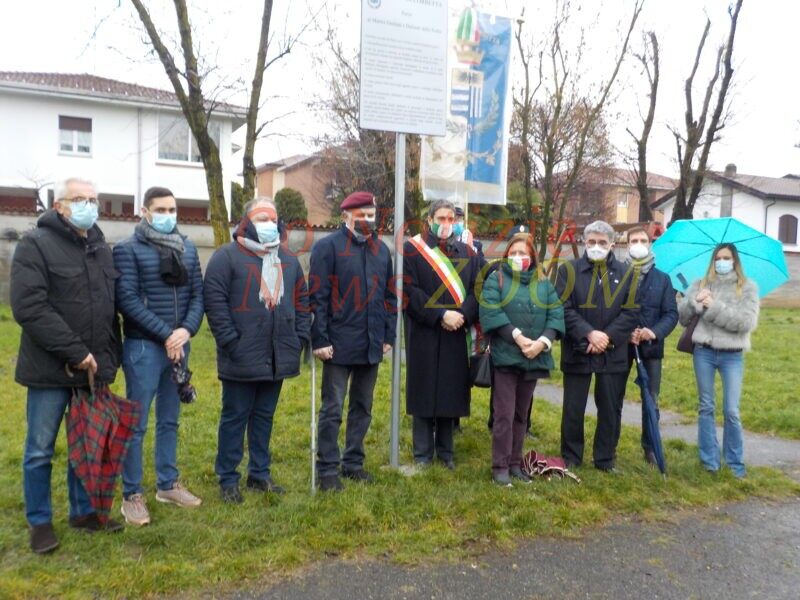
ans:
(170, 248)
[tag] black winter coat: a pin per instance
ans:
(62, 295)
(659, 312)
(597, 296)
(253, 342)
(353, 297)
(150, 308)
(437, 373)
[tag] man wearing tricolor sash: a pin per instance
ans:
(440, 313)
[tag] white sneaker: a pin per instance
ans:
(134, 509)
(178, 495)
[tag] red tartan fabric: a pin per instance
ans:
(99, 430)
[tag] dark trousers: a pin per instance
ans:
(432, 436)
(490, 422)
(653, 368)
(246, 406)
(609, 391)
(359, 415)
(512, 402)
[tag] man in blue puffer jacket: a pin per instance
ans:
(160, 296)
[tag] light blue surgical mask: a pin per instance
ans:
(723, 267)
(267, 231)
(458, 229)
(84, 214)
(164, 222)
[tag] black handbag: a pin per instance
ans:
(685, 343)
(480, 369)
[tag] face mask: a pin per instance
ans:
(723, 267)
(638, 251)
(364, 227)
(597, 254)
(267, 231)
(164, 223)
(520, 263)
(442, 231)
(84, 214)
(458, 229)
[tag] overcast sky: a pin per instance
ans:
(103, 38)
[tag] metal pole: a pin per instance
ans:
(399, 226)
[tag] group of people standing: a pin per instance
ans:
(68, 288)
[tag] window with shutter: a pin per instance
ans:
(787, 229)
(75, 135)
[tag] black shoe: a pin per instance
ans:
(517, 473)
(610, 469)
(502, 479)
(359, 475)
(231, 495)
(264, 485)
(650, 458)
(43, 538)
(448, 464)
(92, 523)
(330, 483)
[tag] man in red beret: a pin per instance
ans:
(354, 326)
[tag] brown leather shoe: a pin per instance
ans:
(43, 538)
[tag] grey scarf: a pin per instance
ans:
(642, 264)
(171, 241)
(271, 291)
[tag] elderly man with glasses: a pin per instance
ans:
(600, 313)
(62, 296)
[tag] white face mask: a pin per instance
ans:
(597, 254)
(520, 263)
(638, 251)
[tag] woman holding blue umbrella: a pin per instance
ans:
(725, 304)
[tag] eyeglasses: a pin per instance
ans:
(81, 199)
(593, 243)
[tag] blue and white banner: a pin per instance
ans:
(469, 164)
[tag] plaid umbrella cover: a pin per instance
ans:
(99, 430)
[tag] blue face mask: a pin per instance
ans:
(164, 223)
(723, 267)
(267, 231)
(458, 229)
(84, 214)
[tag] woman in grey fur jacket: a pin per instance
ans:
(727, 304)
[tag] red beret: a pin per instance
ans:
(357, 200)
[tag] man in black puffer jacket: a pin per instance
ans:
(62, 296)
(600, 313)
(257, 306)
(160, 296)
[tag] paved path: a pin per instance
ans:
(745, 550)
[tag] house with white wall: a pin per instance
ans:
(124, 137)
(769, 204)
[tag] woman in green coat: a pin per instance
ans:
(521, 312)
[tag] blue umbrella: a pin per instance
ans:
(650, 421)
(684, 252)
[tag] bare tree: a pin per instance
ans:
(649, 60)
(198, 104)
(693, 146)
(565, 124)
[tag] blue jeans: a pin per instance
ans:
(246, 406)
(45, 411)
(731, 367)
(148, 375)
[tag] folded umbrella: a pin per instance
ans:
(650, 421)
(99, 430)
(684, 252)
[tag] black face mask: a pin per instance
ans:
(363, 227)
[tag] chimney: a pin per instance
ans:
(730, 170)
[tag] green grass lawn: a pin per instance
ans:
(771, 377)
(438, 514)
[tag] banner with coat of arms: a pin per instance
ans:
(469, 164)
